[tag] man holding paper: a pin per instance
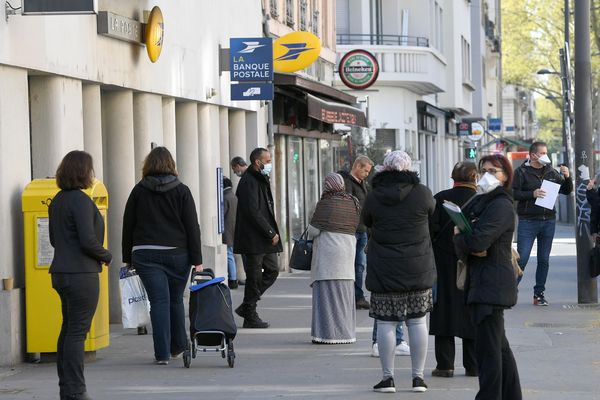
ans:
(536, 185)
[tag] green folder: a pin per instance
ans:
(457, 216)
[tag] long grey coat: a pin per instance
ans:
(333, 255)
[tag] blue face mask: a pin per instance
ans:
(267, 168)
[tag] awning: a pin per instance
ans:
(333, 112)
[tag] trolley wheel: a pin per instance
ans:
(194, 349)
(187, 359)
(230, 353)
(223, 354)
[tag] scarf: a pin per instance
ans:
(337, 211)
(469, 185)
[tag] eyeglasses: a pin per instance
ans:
(492, 171)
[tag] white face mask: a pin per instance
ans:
(487, 183)
(544, 160)
(267, 168)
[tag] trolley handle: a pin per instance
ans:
(206, 275)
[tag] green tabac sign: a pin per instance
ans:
(358, 69)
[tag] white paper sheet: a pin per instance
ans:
(549, 199)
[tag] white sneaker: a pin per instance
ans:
(403, 349)
(375, 351)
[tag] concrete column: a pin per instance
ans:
(213, 251)
(237, 138)
(92, 126)
(147, 127)
(187, 147)
(15, 173)
(168, 119)
(56, 121)
(119, 177)
(224, 141)
(253, 139)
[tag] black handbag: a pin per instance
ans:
(301, 257)
(595, 260)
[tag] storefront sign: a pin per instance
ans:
(251, 59)
(252, 91)
(358, 69)
(119, 27)
(295, 51)
(477, 131)
(495, 124)
(155, 30)
(334, 113)
(32, 7)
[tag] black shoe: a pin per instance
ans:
(419, 385)
(142, 330)
(233, 284)
(539, 300)
(362, 304)
(77, 396)
(385, 386)
(443, 373)
(241, 282)
(471, 372)
(255, 323)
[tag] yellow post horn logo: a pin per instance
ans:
(295, 51)
(155, 31)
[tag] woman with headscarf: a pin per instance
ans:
(450, 317)
(332, 227)
(400, 263)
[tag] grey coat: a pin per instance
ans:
(333, 255)
(229, 211)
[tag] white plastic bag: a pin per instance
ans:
(135, 307)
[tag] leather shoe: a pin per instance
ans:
(233, 284)
(76, 396)
(255, 323)
(362, 304)
(443, 373)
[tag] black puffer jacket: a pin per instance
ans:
(358, 190)
(491, 278)
(399, 254)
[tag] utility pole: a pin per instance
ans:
(587, 290)
(567, 20)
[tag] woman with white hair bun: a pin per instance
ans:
(400, 263)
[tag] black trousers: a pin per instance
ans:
(261, 272)
(79, 298)
(445, 352)
(498, 374)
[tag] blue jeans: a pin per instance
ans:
(360, 262)
(164, 274)
(231, 267)
(543, 231)
(399, 332)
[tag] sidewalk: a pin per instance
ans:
(557, 350)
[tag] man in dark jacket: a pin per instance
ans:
(256, 235)
(229, 211)
(535, 221)
(356, 186)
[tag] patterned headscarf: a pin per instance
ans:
(333, 183)
(397, 160)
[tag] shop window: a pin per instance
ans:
(274, 8)
(303, 12)
(311, 177)
(295, 189)
(289, 13)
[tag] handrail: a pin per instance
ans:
(389, 40)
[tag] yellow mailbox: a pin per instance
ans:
(42, 303)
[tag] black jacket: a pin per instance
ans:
(76, 230)
(358, 190)
(399, 253)
(229, 211)
(161, 211)
(593, 198)
(491, 278)
(526, 180)
(255, 224)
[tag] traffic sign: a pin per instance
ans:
(476, 132)
(251, 59)
(252, 91)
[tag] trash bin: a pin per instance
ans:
(42, 304)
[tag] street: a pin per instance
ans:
(557, 350)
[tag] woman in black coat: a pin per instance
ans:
(400, 263)
(77, 234)
(449, 317)
(491, 285)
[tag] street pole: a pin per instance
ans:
(567, 20)
(566, 129)
(587, 290)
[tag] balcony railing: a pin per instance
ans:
(390, 40)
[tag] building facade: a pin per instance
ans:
(63, 86)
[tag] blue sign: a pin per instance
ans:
(252, 91)
(495, 124)
(251, 59)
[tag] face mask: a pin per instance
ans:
(544, 160)
(267, 168)
(487, 183)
